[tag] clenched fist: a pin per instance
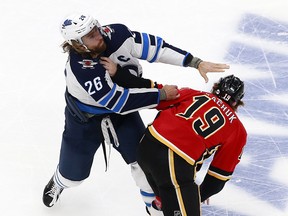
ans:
(169, 92)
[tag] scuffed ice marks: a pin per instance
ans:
(265, 28)
(265, 101)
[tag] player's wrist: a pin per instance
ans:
(163, 95)
(195, 62)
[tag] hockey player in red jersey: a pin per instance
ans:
(185, 132)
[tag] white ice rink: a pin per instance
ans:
(250, 35)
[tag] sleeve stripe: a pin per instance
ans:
(122, 101)
(184, 60)
(113, 101)
(107, 98)
(92, 109)
(159, 44)
(145, 46)
(219, 176)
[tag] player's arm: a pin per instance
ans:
(210, 186)
(124, 78)
(224, 163)
(100, 91)
(118, 99)
(155, 49)
(184, 94)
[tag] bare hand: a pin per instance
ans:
(205, 67)
(109, 65)
(171, 92)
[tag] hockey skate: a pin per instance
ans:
(51, 193)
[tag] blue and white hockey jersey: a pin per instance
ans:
(89, 82)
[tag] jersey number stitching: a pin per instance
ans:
(94, 86)
(209, 123)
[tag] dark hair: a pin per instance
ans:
(231, 90)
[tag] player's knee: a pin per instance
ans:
(139, 177)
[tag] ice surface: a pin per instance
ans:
(250, 35)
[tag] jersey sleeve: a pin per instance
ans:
(88, 81)
(124, 78)
(155, 49)
(223, 164)
(185, 94)
(210, 186)
(229, 154)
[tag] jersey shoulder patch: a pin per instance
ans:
(117, 35)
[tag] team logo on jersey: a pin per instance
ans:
(106, 30)
(87, 63)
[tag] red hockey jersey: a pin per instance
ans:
(198, 124)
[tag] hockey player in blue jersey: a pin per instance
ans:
(99, 111)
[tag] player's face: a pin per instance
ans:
(94, 41)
